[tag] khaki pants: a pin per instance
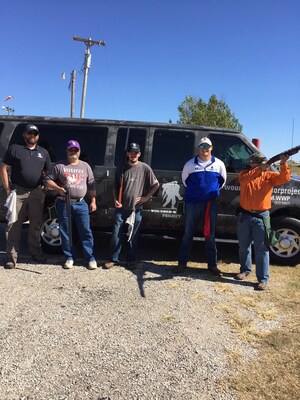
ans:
(29, 206)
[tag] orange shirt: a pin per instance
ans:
(256, 186)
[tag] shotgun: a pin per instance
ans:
(121, 188)
(69, 213)
(288, 153)
(120, 194)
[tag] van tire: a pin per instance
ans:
(50, 236)
(287, 251)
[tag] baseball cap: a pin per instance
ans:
(30, 127)
(205, 140)
(257, 158)
(73, 143)
(134, 147)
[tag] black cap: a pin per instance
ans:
(30, 127)
(134, 147)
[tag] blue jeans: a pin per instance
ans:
(194, 214)
(252, 228)
(117, 235)
(80, 215)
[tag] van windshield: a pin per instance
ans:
(232, 150)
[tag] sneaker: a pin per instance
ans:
(215, 271)
(40, 258)
(241, 276)
(262, 285)
(92, 265)
(68, 264)
(11, 264)
(131, 265)
(109, 265)
(178, 269)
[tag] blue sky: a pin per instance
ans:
(158, 51)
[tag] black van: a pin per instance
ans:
(166, 147)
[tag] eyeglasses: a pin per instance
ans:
(34, 133)
(204, 146)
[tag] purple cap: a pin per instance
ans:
(73, 143)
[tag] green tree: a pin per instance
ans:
(194, 111)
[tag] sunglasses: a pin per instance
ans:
(204, 146)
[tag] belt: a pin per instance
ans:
(255, 211)
(14, 186)
(71, 200)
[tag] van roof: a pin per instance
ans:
(83, 121)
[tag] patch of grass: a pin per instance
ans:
(221, 288)
(275, 373)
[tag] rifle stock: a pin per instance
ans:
(69, 212)
(121, 189)
(288, 153)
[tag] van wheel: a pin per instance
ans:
(287, 251)
(50, 236)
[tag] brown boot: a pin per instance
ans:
(109, 265)
(241, 276)
(262, 285)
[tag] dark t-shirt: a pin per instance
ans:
(138, 179)
(27, 166)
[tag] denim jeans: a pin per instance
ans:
(117, 235)
(252, 228)
(80, 215)
(194, 214)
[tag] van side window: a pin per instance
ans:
(54, 138)
(231, 150)
(172, 149)
(125, 136)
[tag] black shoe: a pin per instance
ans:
(178, 269)
(215, 271)
(11, 264)
(131, 266)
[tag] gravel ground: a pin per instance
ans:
(114, 334)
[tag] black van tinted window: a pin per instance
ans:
(126, 136)
(231, 150)
(172, 149)
(54, 138)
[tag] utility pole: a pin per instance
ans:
(87, 65)
(72, 88)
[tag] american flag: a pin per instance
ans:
(8, 98)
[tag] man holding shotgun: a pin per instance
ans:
(73, 178)
(134, 185)
(253, 221)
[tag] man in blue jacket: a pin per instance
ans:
(203, 177)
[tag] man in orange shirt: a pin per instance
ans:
(256, 187)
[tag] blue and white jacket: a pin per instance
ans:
(203, 183)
